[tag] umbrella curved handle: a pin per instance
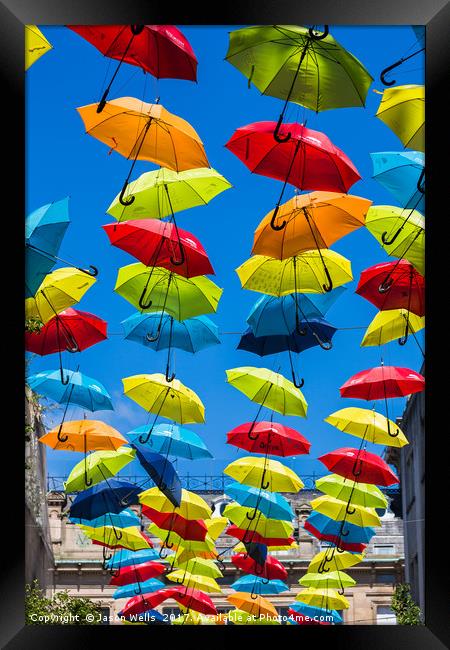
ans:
(253, 595)
(388, 242)
(167, 543)
(171, 377)
(249, 432)
(87, 480)
(60, 437)
(350, 510)
(74, 348)
(321, 568)
(421, 182)
(327, 287)
(94, 271)
(347, 532)
(64, 380)
(276, 134)
(273, 225)
(386, 285)
(138, 590)
(392, 435)
(144, 441)
(297, 384)
(122, 200)
(403, 339)
(265, 486)
(354, 472)
(181, 261)
(341, 591)
(265, 581)
(115, 573)
(118, 533)
(325, 345)
(253, 515)
(161, 555)
(136, 29)
(319, 37)
(142, 303)
(152, 338)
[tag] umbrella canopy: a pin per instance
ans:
(341, 488)
(204, 583)
(390, 325)
(247, 536)
(159, 289)
(316, 613)
(192, 505)
(359, 465)
(383, 382)
(308, 159)
(269, 388)
(197, 566)
(265, 473)
(124, 519)
(368, 425)
(137, 573)
(315, 331)
(271, 504)
(70, 330)
(254, 606)
(314, 220)
(144, 587)
(44, 232)
(268, 438)
(160, 243)
(163, 192)
(35, 45)
(108, 496)
(145, 602)
(59, 289)
(324, 598)
(393, 285)
(189, 529)
(162, 473)
(130, 538)
(339, 511)
(170, 439)
(83, 435)
(327, 529)
(193, 599)
(402, 109)
(97, 467)
(239, 515)
(124, 558)
(261, 586)
(402, 173)
(320, 73)
(79, 389)
(276, 316)
(306, 273)
(271, 569)
(171, 539)
(334, 561)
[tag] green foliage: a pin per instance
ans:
(60, 609)
(33, 324)
(406, 610)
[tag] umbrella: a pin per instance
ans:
(111, 495)
(171, 539)
(163, 192)
(192, 505)
(160, 243)
(337, 510)
(339, 538)
(258, 586)
(276, 316)
(392, 324)
(158, 289)
(59, 289)
(265, 473)
(401, 235)
(204, 583)
(337, 561)
(145, 602)
(83, 435)
(97, 467)
(189, 529)
(341, 488)
(271, 569)
(239, 515)
(44, 232)
(393, 285)
(254, 606)
(172, 400)
(419, 33)
(271, 504)
(197, 566)
(76, 388)
(368, 425)
(327, 529)
(144, 587)
(162, 473)
(403, 174)
(316, 614)
(130, 538)
(35, 45)
(161, 50)
(255, 551)
(402, 109)
(141, 131)
(124, 519)
(269, 437)
(170, 439)
(324, 598)
(246, 536)
(309, 272)
(137, 573)
(193, 599)
(359, 465)
(124, 558)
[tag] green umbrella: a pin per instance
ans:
(98, 466)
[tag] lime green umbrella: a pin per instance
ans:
(163, 192)
(338, 579)
(157, 289)
(97, 467)
(362, 494)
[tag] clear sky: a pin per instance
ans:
(62, 160)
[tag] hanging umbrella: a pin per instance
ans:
(338, 539)
(271, 569)
(204, 583)
(390, 325)
(145, 602)
(111, 495)
(59, 289)
(170, 439)
(193, 599)
(402, 109)
(163, 192)
(171, 539)
(72, 330)
(316, 614)
(254, 606)
(189, 529)
(276, 316)
(124, 558)
(341, 488)
(162, 473)
(393, 285)
(141, 131)
(145, 587)
(336, 561)
(359, 465)
(192, 505)
(125, 519)
(159, 243)
(35, 45)
(324, 598)
(403, 174)
(368, 425)
(269, 437)
(137, 573)
(109, 536)
(337, 510)
(161, 50)
(98, 466)
(197, 566)
(309, 272)
(83, 435)
(253, 550)
(265, 473)
(76, 388)
(383, 382)
(419, 32)
(259, 586)
(327, 529)
(401, 235)
(271, 504)
(273, 543)
(240, 517)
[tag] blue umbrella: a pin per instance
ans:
(124, 519)
(258, 552)
(403, 174)
(259, 586)
(272, 504)
(350, 533)
(276, 316)
(136, 588)
(125, 557)
(112, 495)
(313, 612)
(80, 389)
(44, 232)
(162, 472)
(171, 439)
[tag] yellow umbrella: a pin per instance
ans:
(323, 598)
(130, 538)
(258, 606)
(362, 494)
(192, 505)
(241, 617)
(97, 467)
(337, 579)
(169, 537)
(59, 289)
(204, 583)
(183, 554)
(83, 435)
(339, 511)
(197, 566)
(269, 389)
(368, 425)
(333, 560)
(35, 45)
(265, 473)
(216, 526)
(402, 109)
(390, 325)
(239, 515)
(302, 273)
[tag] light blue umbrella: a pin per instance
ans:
(44, 232)
(259, 586)
(276, 316)
(173, 440)
(136, 588)
(79, 389)
(124, 557)
(312, 612)
(350, 533)
(402, 173)
(124, 519)
(271, 504)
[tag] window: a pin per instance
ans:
(385, 615)
(384, 549)
(385, 578)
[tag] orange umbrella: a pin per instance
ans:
(83, 435)
(307, 221)
(254, 606)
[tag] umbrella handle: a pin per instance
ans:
(299, 384)
(388, 242)
(276, 134)
(420, 182)
(396, 65)
(139, 590)
(386, 285)
(327, 287)
(74, 348)
(122, 200)
(183, 256)
(319, 37)
(60, 437)
(144, 305)
(93, 273)
(150, 338)
(102, 102)
(171, 377)
(341, 591)
(253, 515)
(349, 510)
(87, 480)
(253, 596)
(393, 435)
(265, 486)
(161, 555)
(136, 29)
(272, 221)
(250, 431)
(346, 534)
(115, 573)
(321, 568)
(64, 380)
(265, 581)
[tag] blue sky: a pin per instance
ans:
(62, 160)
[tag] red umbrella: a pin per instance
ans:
(193, 599)
(359, 465)
(393, 285)
(335, 539)
(272, 569)
(302, 619)
(161, 50)
(190, 529)
(248, 536)
(161, 243)
(144, 602)
(70, 330)
(383, 382)
(137, 573)
(268, 438)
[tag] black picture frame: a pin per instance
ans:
(14, 14)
